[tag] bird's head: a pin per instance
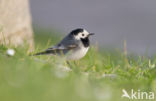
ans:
(81, 34)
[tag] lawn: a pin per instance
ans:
(100, 76)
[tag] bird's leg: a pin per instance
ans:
(75, 63)
(69, 64)
(72, 65)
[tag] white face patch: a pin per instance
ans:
(83, 35)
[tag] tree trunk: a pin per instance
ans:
(15, 23)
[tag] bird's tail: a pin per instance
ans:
(43, 53)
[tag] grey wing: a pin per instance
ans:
(67, 44)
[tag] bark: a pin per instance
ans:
(15, 23)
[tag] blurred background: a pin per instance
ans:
(113, 21)
(100, 75)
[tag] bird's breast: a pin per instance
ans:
(77, 53)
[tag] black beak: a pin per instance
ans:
(91, 34)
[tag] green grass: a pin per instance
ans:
(99, 76)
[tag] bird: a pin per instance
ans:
(73, 46)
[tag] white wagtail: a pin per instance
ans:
(74, 46)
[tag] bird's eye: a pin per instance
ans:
(82, 34)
